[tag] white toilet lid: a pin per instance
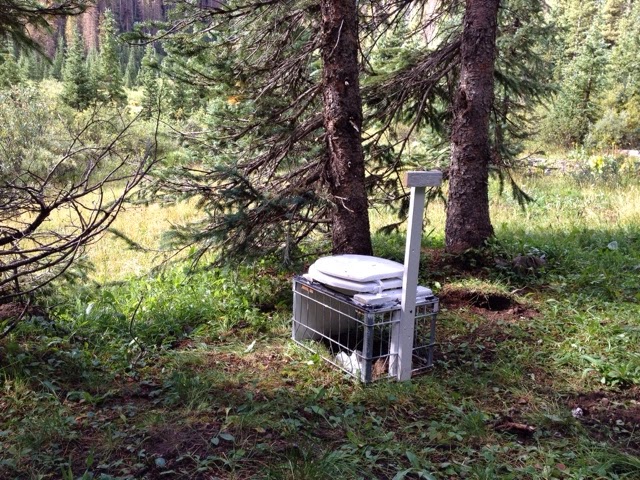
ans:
(359, 268)
(349, 287)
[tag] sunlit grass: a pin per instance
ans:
(113, 259)
(560, 205)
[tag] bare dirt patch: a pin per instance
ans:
(495, 306)
(499, 312)
(11, 310)
(170, 442)
(619, 412)
(263, 362)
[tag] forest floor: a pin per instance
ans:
(192, 375)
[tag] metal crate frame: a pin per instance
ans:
(369, 336)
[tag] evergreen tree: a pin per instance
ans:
(417, 94)
(468, 224)
(10, 73)
(124, 52)
(27, 66)
(264, 138)
(184, 100)
(342, 123)
(263, 164)
(109, 84)
(58, 59)
(395, 48)
(414, 59)
(148, 80)
(612, 13)
(620, 122)
(623, 77)
(33, 65)
(92, 65)
(45, 68)
(524, 79)
(576, 106)
(575, 18)
(78, 90)
(131, 69)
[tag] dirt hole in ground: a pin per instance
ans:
(494, 302)
(491, 305)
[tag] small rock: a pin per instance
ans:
(528, 263)
(577, 412)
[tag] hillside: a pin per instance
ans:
(127, 14)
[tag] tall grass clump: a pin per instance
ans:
(588, 234)
(151, 313)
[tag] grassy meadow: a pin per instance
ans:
(183, 374)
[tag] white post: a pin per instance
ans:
(402, 334)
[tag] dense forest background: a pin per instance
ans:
(591, 42)
(586, 49)
(567, 71)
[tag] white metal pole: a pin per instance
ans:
(410, 282)
(402, 336)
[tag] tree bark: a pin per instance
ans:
(343, 124)
(468, 224)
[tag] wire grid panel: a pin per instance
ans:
(424, 337)
(350, 336)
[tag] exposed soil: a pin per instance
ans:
(260, 361)
(494, 306)
(14, 310)
(498, 311)
(444, 266)
(170, 442)
(620, 411)
(10, 310)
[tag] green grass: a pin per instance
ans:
(192, 375)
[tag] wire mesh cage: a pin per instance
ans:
(424, 335)
(356, 338)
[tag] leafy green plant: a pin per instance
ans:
(618, 372)
(189, 390)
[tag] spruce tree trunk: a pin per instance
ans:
(468, 224)
(343, 124)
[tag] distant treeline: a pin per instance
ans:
(126, 12)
